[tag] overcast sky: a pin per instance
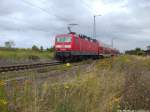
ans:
(29, 22)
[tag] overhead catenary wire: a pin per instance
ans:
(35, 6)
(45, 11)
(28, 3)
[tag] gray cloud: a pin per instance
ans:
(29, 22)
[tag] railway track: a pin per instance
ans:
(27, 66)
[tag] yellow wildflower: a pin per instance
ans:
(2, 83)
(66, 86)
(68, 64)
(114, 100)
(3, 101)
(117, 100)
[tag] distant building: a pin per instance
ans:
(147, 52)
(148, 47)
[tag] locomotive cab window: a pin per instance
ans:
(63, 39)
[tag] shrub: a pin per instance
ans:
(35, 48)
(33, 57)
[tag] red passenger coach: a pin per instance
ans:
(72, 46)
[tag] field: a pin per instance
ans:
(106, 85)
(12, 56)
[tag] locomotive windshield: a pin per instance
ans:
(63, 39)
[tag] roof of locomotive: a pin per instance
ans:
(78, 35)
(84, 36)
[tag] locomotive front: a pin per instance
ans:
(63, 46)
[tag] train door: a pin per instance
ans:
(77, 43)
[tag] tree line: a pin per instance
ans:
(137, 51)
(9, 45)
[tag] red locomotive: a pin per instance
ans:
(74, 47)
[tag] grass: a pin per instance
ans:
(110, 85)
(35, 72)
(24, 55)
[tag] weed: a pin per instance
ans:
(110, 85)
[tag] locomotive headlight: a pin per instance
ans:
(58, 46)
(67, 46)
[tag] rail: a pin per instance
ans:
(27, 66)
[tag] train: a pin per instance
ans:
(73, 46)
